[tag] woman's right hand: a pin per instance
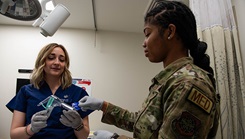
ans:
(39, 121)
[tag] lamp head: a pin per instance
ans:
(21, 9)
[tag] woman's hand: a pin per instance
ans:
(71, 118)
(39, 121)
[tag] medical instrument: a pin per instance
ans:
(54, 101)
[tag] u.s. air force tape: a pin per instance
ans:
(201, 100)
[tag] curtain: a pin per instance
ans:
(216, 26)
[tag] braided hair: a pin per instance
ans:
(177, 13)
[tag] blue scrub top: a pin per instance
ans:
(28, 98)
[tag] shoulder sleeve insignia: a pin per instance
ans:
(186, 125)
(200, 99)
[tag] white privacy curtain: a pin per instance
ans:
(216, 26)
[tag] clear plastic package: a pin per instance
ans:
(53, 101)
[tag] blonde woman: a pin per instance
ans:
(50, 76)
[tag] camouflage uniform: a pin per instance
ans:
(182, 103)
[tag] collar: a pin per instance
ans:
(171, 69)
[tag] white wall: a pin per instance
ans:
(115, 62)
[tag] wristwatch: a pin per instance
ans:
(79, 127)
(114, 136)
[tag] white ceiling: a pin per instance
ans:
(110, 15)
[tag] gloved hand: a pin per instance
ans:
(91, 103)
(39, 121)
(102, 134)
(71, 118)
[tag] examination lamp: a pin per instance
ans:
(28, 10)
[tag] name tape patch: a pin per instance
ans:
(200, 100)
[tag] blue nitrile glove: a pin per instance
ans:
(39, 121)
(102, 134)
(71, 118)
(90, 103)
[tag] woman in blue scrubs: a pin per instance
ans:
(50, 76)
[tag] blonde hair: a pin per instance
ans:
(38, 74)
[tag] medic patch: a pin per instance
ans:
(186, 125)
(200, 100)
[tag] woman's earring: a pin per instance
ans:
(169, 37)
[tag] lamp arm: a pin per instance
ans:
(44, 14)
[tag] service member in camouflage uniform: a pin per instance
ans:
(182, 102)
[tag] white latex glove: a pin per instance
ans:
(39, 121)
(71, 118)
(102, 134)
(90, 103)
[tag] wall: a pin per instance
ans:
(114, 62)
